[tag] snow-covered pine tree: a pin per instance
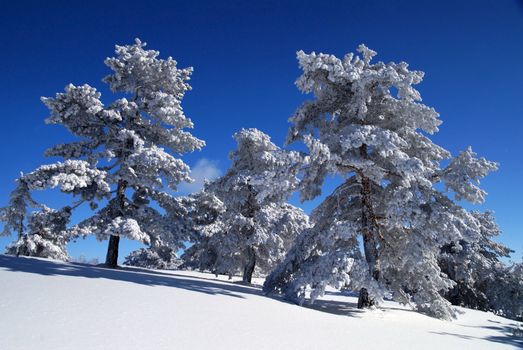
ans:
(124, 150)
(222, 249)
(474, 262)
(505, 293)
(14, 214)
(187, 214)
(255, 227)
(367, 125)
(205, 211)
(46, 236)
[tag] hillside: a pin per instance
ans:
(47, 304)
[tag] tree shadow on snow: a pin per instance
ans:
(139, 276)
(201, 284)
(507, 336)
(172, 273)
(342, 308)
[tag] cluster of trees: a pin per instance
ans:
(394, 226)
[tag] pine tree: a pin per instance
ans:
(254, 227)
(124, 150)
(367, 124)
(46, 236)
(14, 214)
(474, 262)
(482, 280)
(505, 293)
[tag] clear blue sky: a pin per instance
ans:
(243, 53)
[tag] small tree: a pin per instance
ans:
(474, 263)
(122, 150)
(255, 226)
(14, 214)
(367, 125)
(505, 293)
(222, 249)
(46, 236)
(482, 280)
(184, 215)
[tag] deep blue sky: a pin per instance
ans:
(243, 53)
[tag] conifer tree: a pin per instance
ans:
(46, 237)
(124, 152)
(505, 293)
(474, 262)
(367, 124)
(253, 227)
(14, 214)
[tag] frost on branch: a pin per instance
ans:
(367, 124)
(78, 109)
(463, 174)
(72, 176)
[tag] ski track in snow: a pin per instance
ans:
(46, 304)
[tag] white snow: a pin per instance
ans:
(46, 304)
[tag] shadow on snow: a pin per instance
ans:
(139, 276)
(508, 336)
(335, 307)
(208, 286)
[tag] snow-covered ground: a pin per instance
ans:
(47, 304)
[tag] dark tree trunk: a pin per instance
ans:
(369, 232)
(20, 235)
(21, 228)
(249, 211)
(364, 301)
(249, 267)
(111, 259)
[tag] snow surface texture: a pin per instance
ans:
(55, 305)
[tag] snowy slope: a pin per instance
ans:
(53, 305)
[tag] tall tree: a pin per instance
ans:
(255, 227)
(124, 152)
(367, 124)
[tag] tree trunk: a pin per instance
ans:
(364, 301)
(249, 211)
(111, 259)
(20, 235)
(249, 267)
(369, 232)
(371, 256)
